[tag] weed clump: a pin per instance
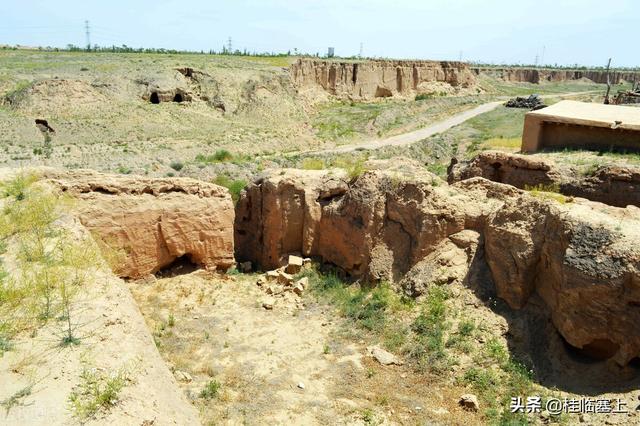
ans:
(548, 192)
(97, 391)
(210, 390)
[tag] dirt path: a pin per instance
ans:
(425, 132)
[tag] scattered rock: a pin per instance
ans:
(183, 376)
(303, 282)
(301, 385)
(469, 402)
(382, 356)
(284, 278)
(268, 304)
(245, 267)
(272, 275)
(298, 289)
(294, 265)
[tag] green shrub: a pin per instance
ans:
(220, 156)
(177, 165)
(96, 391)
(210, 390)
(235, 186)
(423, 96)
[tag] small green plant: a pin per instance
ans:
(235, 187)
(171, 321)
(368, 417)
(466, 327)
(176, 165)
(96, 391)
(220, 156)
(16, 398)
(210, 390)
(550, 192)
(326, 349)
(423, 96)
(124, 170)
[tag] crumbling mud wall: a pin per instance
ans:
(149, 223)
(581, 258)
(539, 75)
(614, 185)
(378, 79)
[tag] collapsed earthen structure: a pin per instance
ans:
(613, 185)
(150, 223)
(378, 79)
(540, 75)
(579, 257)
(572, 124)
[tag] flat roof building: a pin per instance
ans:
(571, 124)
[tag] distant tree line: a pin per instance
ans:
(129, 49)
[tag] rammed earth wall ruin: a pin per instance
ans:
(376, 79)
(535, 75)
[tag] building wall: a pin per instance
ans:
(539, 134)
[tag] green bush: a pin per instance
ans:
(96, 391)
(220, 156)
(210, 390)
(177, 165)
(235, 186)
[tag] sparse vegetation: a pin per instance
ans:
(549, 192)
(210, 390)
(235, 186)
(97, 391)
(53, 266)
(177, 165)
(16, 398)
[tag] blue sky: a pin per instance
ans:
(569, 31)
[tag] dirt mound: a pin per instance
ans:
(153, 223)
(56, 94)
(613, 185)
(164, 88)
(382, 227)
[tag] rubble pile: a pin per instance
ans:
(532, 102)
(281, 284)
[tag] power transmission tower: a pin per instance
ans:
(536, 61)
(87, 31)
(360, 53)
(230, 46)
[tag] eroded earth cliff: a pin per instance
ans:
(379, 79)
(581, 258)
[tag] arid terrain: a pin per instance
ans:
(218, 239)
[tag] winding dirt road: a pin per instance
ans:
(425, 132)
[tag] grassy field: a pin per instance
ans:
(245, 105)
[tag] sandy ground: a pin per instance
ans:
(280, 366)
(113, 337)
